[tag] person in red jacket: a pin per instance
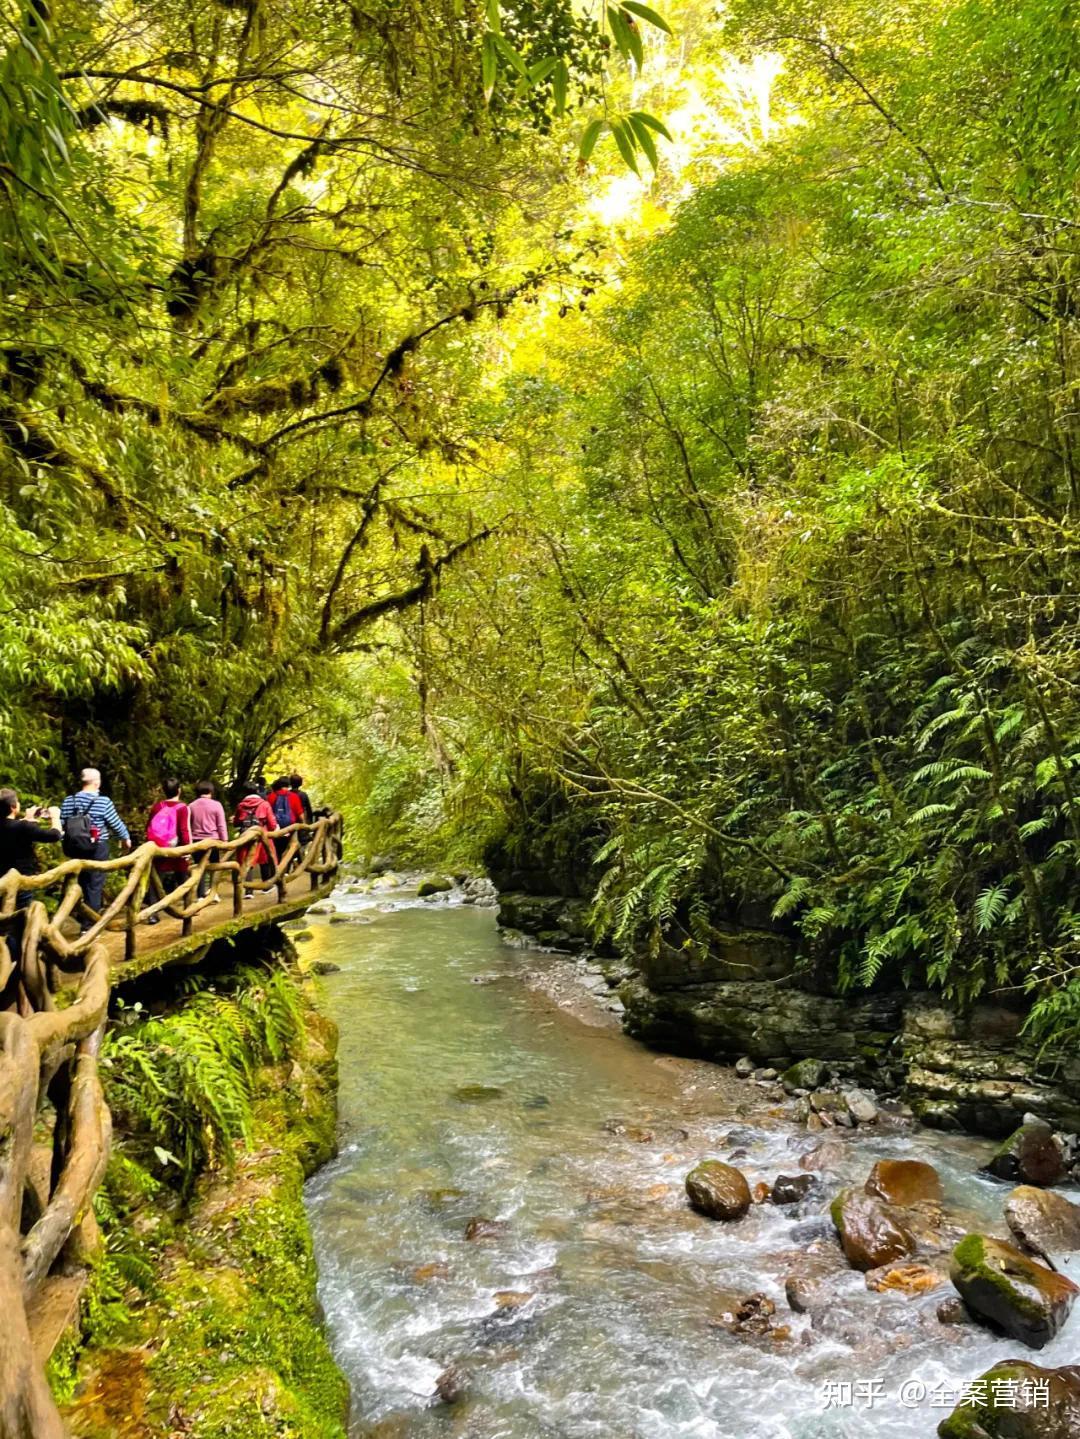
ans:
(287, 805)
(254, 810)
(169, 825)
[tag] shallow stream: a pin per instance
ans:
(481, 1080)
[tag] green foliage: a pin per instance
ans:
(182, 1082)
(789, 619)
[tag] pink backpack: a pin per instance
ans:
(162, 827)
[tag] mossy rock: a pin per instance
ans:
(807, 1074)
(1010, 1292)
(434, 884)
(1010, 1411)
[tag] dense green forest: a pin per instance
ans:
(649, 456)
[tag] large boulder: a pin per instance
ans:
(718, 1190)
(807, 1074)
(872, 1233)
(1030, 1155)
(434, 884)
(1017, 1400)
(1047, 1224)
(905, 1182)
(1009, 1291)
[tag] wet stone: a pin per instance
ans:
(1048, 1224)
(481, 1228)
(905, 1182)
(477, 1093)
(792, 1188)
(717, 1190)
(450, 1385)
(872, 1233)
(808, 1074)
(1030, 1155)
(1009, 1291)
(425, 1273)
(1022, 1402)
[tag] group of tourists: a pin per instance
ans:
(87, 821)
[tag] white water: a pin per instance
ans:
(615, 1342)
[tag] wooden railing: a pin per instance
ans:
(58, 986)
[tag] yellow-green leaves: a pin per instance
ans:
(633, 134)
(645, 12)
(592, 132)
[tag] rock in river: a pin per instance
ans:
(807, 1074)
(1009, 1291)
(450, 1385)
(905, 1182)
(481, 1228)
(1048, 1224)
(434, 884)
(718, 1190)
(1030, 1155)
(872, 1232)
(791, 1188)
(1022, 1402)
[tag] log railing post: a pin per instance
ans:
(50, 1053)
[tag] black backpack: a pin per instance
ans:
(80, 836)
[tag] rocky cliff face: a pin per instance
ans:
(972, 1071)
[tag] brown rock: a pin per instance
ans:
(825, 1155)
(791, 1188)
(450, 1385)
(481, 1228)
(953, 1311)
(811, 1282)
(717, 1190)
(872, 1233)
(761, 1192)
(1029, 1156)
(424, 1273)
(905, 1182)
(755, 1314)
(1047, 1224)
(511, 1298)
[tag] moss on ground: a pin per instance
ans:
(229, 1340)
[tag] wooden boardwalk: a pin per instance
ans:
(55, 982)
(165, 943)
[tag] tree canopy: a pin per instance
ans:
(694, 513)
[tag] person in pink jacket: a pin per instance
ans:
(208, 822)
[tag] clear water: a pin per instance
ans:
(616, 1339)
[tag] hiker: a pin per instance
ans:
(17, 840)
(208, 822)
(252, 811)
(286, 803)
(297, 782)
(19, 836)
(88, 819)
(169, 825)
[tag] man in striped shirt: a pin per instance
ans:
(101, 812)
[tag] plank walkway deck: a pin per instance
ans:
(165, 944)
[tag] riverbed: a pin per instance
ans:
(484, 1087)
